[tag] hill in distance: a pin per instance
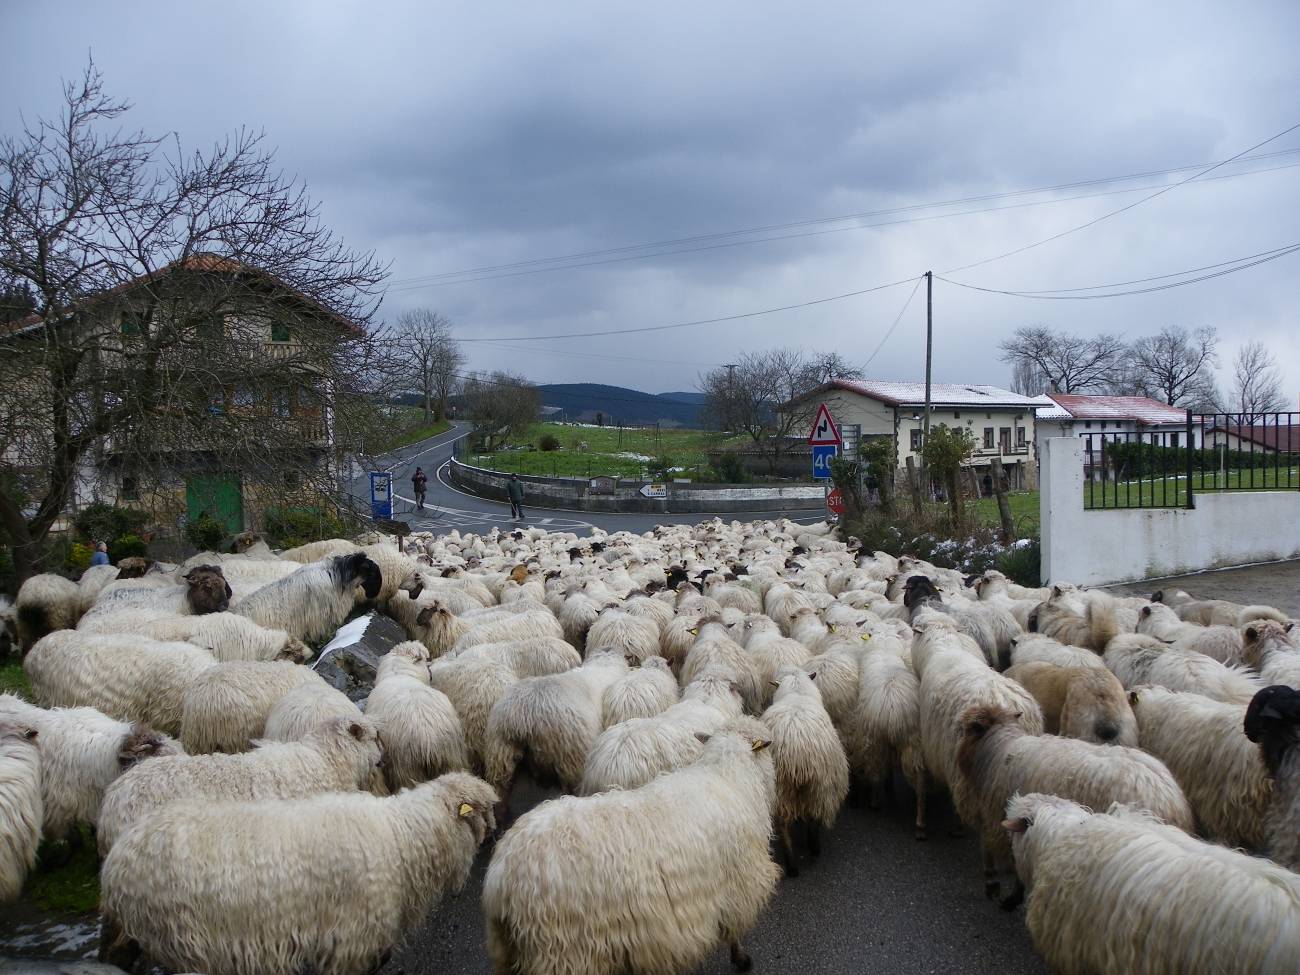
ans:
(580, 402)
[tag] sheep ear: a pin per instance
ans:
(1132, 698)
(230, 593)
(1252, 634)
(424, 616)
(29, 734)
(775, 683)
(1146, 611)
(702, 737)
(1288, 628)
(1016, 825)
(356, 730)
(812, 675)
(630, 658)
(1158, 596)
(1057, 591)
(464, 810)
(758, 744)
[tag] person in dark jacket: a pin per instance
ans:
(419, 484)
(515, 490)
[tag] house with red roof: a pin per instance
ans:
(1112, 418)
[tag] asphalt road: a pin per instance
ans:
(447, 507)
(876, 901)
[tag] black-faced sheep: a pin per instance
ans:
(234, 904)
(1273, 722)
(314, 601)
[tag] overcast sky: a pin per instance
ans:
(450, 137)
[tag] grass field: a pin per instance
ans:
(1172, 492)
(1024, 511)
(627, 452)
(13, 680)
(407, 426)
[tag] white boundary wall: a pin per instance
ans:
(1092, 548)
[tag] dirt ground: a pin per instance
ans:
(1274, 584)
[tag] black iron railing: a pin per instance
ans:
(1166, 467)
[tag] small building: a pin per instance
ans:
(1001, 421)
(1257, 438)
(1112, 418)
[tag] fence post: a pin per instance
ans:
(1191, 454)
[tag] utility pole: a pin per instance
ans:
(929, 354)
(731, 392)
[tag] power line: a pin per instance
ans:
(697, 322)
(897, 319)
(489, 272)
(1125, 208)
(1223, 268)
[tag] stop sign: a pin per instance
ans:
(835, 502)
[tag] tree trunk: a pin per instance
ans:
(1004, 506)
(914, 485)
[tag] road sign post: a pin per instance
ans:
(381, 494)
(822, 455)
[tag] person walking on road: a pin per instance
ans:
(420, 484)
(515, 490)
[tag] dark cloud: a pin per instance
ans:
(449, 138)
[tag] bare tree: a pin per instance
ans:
(824, 367)
(761, 397)
(1176, 366)
(1060, 361)
(1028, 379)
(433, 357)
(191, 314)
(501, 407)
(1257, 384)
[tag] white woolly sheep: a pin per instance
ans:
(419, 727)
(648, 690)
(1036, 648)
(319, 551)
(1124, 894)
(1223, 643)
(45, 603)
(771, 652)
(1273, 722)
(633, 752)
(306, 708)
(441, 631)
(1059, 618)
(1080, 702)
(228, 636)
(530, 657)
(226, 707)
(1271, 648)
(82, 752)
(20, 805)
(812, 772)
(234, 905)
(997, 760)
(1204, 744)
(953, 680)
(561, 881)
(473, 684)
(336, 757)
(314, 601)
(548, 725)
(886, 731)
(617, 630)
(126, 677)
(1137, 659)
(714, 648)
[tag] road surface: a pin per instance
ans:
(447, 507)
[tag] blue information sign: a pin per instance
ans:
(822, 454)
(381, 494)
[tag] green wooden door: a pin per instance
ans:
(220, 495)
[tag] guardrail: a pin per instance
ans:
(1212, 452)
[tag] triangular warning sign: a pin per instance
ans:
(824, 430)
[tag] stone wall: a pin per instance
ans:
(577, 493)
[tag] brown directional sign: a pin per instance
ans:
(398, 528)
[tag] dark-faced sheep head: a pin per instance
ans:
(1273, 723)
(134, 567)
(917, 590)
(426, 615)
(358, 569)
(142, 743)
(208, 591)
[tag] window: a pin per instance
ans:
(1020, 436)
(243, 396)
(291, 480)
(956, 416)
(130, 488)
(1004, 439)
(280, 402)
(1173, 440)
(1087, 424)
(1103, 424)
(134, 322)
(916, 440)
(279, 332)
(988, 438)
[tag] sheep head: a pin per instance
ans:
(208, 592)
(134, 567)
(976, 723)
(143, 743)
(358, 569)
(1273, 723)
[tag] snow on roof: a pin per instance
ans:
(1049, 410)
(941, 394)
(1141, 409)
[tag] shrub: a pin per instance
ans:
(128, 546)
(8, 578)
(548, 442)
(730, 468)
(100, 522)
(1022, 562)
(291, 527)
(662, 468)
(205, 533)
(78, 557)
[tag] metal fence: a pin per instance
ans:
(1166, 466)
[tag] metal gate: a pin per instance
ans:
(219, 495)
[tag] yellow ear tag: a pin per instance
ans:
(866, 636)
(694, 632)
(464, 810)
(831, 627)
(759, 744)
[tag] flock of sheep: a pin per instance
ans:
(702, 694)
